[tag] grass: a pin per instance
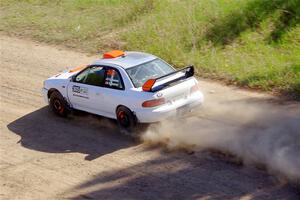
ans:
(251, 43)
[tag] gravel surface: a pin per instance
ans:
(85, 157)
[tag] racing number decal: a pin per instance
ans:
(80, 91)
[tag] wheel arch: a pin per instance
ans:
(120, 105)
(50, 91)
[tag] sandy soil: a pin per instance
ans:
(85, 157)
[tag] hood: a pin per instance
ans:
(63, 75)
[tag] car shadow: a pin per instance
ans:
(177, 176)
(81, 132)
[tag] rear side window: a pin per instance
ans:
(113, 79)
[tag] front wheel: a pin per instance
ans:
(58, 105)
(126, 120)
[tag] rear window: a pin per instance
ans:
(153, 69)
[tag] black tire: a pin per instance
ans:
(126, 121)
(58, 105)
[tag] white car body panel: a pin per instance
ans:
(104, 101)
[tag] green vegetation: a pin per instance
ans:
(253, 43)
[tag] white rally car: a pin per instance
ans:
(132, 87)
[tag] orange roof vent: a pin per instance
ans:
(113, 54)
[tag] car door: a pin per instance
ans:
(84, 91)
(113, 91)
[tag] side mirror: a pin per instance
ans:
(72, 78)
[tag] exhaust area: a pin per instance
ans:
(257, 134)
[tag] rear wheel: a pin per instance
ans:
(126, 120)
(58, 105)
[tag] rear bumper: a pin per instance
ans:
(168, 111)
(45, 95)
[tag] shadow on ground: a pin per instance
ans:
(201, 175)
(83, 133)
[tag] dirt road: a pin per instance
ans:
(85, 157)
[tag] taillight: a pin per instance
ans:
(153, 103)
(195, 88)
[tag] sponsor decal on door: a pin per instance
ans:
(80, 91)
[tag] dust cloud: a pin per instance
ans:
(255, 134)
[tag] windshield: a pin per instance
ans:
(153, 69)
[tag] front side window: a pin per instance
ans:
(153, 69)
(92, 76)
(80, 78)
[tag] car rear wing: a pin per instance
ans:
(152, 85)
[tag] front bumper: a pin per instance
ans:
(169, 111)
